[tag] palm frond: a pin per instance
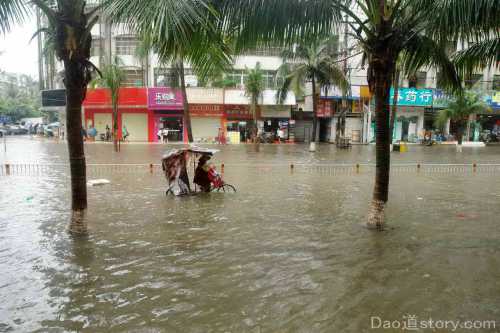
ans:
(11, 12)
(465, 19)
(275, 22)
(420, 51)
(477, 56)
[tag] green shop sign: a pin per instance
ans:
(413, 97)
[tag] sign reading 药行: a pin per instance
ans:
(413, 97)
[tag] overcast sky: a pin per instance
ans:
(18, 54)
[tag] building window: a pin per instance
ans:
(239, 78)
(168, 77)
(125, 45)
(496, 82)
(471, 80)
(266, 52)
(417, 80)
(134, 78)
(95, 50)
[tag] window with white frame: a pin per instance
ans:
(134, 78)
(126, 45)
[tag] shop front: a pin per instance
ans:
(276, 120)
(351, 123)
(132, 113)
(166, 115)
(301, 125)
(489, 122)
(410, 116)
(238, 122)
(206, 121)
(325, 113)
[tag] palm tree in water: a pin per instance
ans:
(459, 111)
(254, 86)
(72, 22)
(312, 62)
(112, 77)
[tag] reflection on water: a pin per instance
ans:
(286, 253)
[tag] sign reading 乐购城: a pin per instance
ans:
(164, 98)
(413, 97)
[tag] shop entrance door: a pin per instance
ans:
(173, 126)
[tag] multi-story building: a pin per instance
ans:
(414, 115)
(143, 70)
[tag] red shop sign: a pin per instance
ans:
(324, 108)
(238, 111)
(206, 110)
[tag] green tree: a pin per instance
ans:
(72, 22)
(459, 110)
(414, 30)
(175, 41)
(312, 63)
(112, 77)
(254, 86)
(72, 25)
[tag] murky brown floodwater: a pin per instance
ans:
(286, 253)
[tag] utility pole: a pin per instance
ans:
(346, 54)
(340, 129)
(41, 83)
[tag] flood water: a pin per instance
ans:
(287, 253)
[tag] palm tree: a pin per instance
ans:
(219, 28)
(185, 105)
(112, 77)
(459, 110)
(254, 86)
(72, 23)
(176, 42)
(390, 29)
(311, 63)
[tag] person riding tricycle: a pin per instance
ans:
(206, 176)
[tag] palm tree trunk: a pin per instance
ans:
(255, 128)
(394, 104)
(380, 79)
(315, 139)
(75, 95)
(115, 125)
(186, 115)
(460, 134)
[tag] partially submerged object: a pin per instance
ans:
(174, 164)
(98, 182)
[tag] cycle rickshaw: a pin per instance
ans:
(175, 164)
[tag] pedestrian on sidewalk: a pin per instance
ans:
(125, 133)
(108, 133)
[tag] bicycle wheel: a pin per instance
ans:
(227, 188)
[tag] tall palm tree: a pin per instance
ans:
(72, 25)
(186, 115)
(176, 42)
(112, 77)
(73, 22)
(254, 86)
(459, 111)
(311, 63)
(390, 29)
